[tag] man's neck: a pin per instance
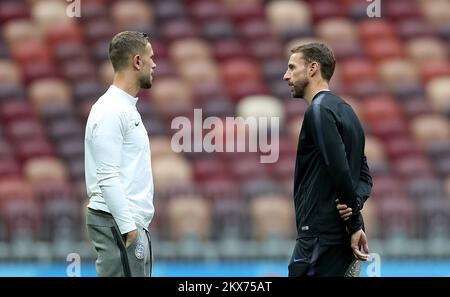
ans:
(123, 82)
(310, 93)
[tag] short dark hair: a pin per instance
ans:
(125, 44)
(321, 53)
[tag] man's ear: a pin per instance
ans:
(137, 62)
(313, 68)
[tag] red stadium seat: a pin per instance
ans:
(372, 30)
(229, 49)
(325, 9)
(178, 29)
(205, 11)
(238, 70)
(381, 49)
(266, 49)
(380, 108)
(255, 30)
(11, 10)
(357, 70)
(414, 166)
(402, 10)
(15, 110)
(63, 33)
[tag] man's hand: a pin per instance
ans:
(359, 240)
(344, 211)
(131, 236)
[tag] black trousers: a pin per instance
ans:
(310, 258)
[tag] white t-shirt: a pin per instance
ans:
(118, 170)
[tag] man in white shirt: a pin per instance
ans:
(118, 171)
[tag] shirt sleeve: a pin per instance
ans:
(332, 150)
(363, 191)
(108, 139)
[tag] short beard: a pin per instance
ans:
(298, 91)
(145, 83)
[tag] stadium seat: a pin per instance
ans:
(413, 166)
(49, 91)
(266, 49)
(386, 48)
(98, 30)
(287, 14)
(179, 29)
(127, 14)
(189, 216)
(26, 129)
(371, 30)
(356, 70)
(15, 110)
(171, 169)
(428, 128)
(44, 169)
(395, 72)
(228, 49)
(412, 28)
(439, 94)
(402, 10)
(205, 11)
(47, 13)
(199, 72)
(326, 9)
(70, 51)
(374, 148)
(188, 50)
(106, 74)
(170, 10)
(425, 188)
(261, 107)
(78, 69)
(426, 49)
(11, 10)
(170, 94)
(375, 109)
(218, 30)
(160, 146)
(272, 217)
(9, 72)
(19, 32)
(63, 33)
(401, 146)
(336, 30)
(238, 70)
(242, 11)
(254, 30)
(434, 69)
(436, 12)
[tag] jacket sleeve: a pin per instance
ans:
(107, 142)
(363, 191)
(323, 123)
